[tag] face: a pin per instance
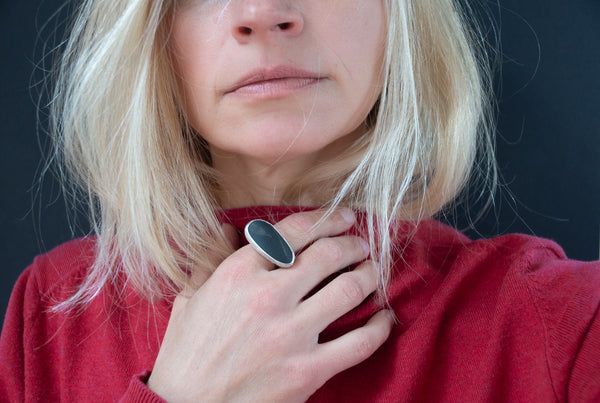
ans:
(278, 80)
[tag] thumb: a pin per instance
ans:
(199, 277)
(180, 301)
(232, 235)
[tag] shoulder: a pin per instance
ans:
(536, 260)
(524, 279)
(558, 287)
(525, 287)
(480, 296)
(540, 265)
(59, 271)
(513, 247)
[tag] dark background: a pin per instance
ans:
(548, 143)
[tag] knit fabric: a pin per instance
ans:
(505, 319)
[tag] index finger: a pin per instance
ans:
(302, 229)
(299, 230)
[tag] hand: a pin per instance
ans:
(248, 334)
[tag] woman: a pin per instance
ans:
(185, 120)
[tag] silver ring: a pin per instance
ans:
(271, 245)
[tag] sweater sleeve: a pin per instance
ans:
(584, 385)
(12, 357)
(567, 296)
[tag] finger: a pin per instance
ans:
(198, 277)
(339, 296)
(323, 258)
(178, 304)
(232, 235)
(304, 228)
(355, 346)
(299, 230)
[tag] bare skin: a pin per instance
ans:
(259, 343)
(274, 87)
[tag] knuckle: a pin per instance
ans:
(281, 333)
(351, 288)
(371, 274)
(329, 247)
(366, 346)
(273, 338)
(298, 375)
(261, 302)
(233, 271)
(300, 223)
(230, 280)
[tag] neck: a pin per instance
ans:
(246, 181)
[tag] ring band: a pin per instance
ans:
(267, 241)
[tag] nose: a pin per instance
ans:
(265, 19)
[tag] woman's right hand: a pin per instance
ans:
(249, 334)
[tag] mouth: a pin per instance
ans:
(273, 82)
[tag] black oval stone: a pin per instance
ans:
(265, 237)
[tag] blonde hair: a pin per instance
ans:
(147, 174)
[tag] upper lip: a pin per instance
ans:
(273, 73)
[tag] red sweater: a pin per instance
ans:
(506, 319)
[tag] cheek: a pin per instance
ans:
(368, 34)
(195, 52)
(358, 40)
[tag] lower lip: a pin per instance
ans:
(277, 88)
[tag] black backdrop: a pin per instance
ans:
(548, 143)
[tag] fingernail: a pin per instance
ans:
(348, 215)
(365, 246)
(390, 315)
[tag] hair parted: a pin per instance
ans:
(120, 136)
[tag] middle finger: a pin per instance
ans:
(321, 259)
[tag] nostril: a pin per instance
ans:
(245, 30)
(284, 25)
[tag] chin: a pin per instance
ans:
(270, 154)
(292, 139)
